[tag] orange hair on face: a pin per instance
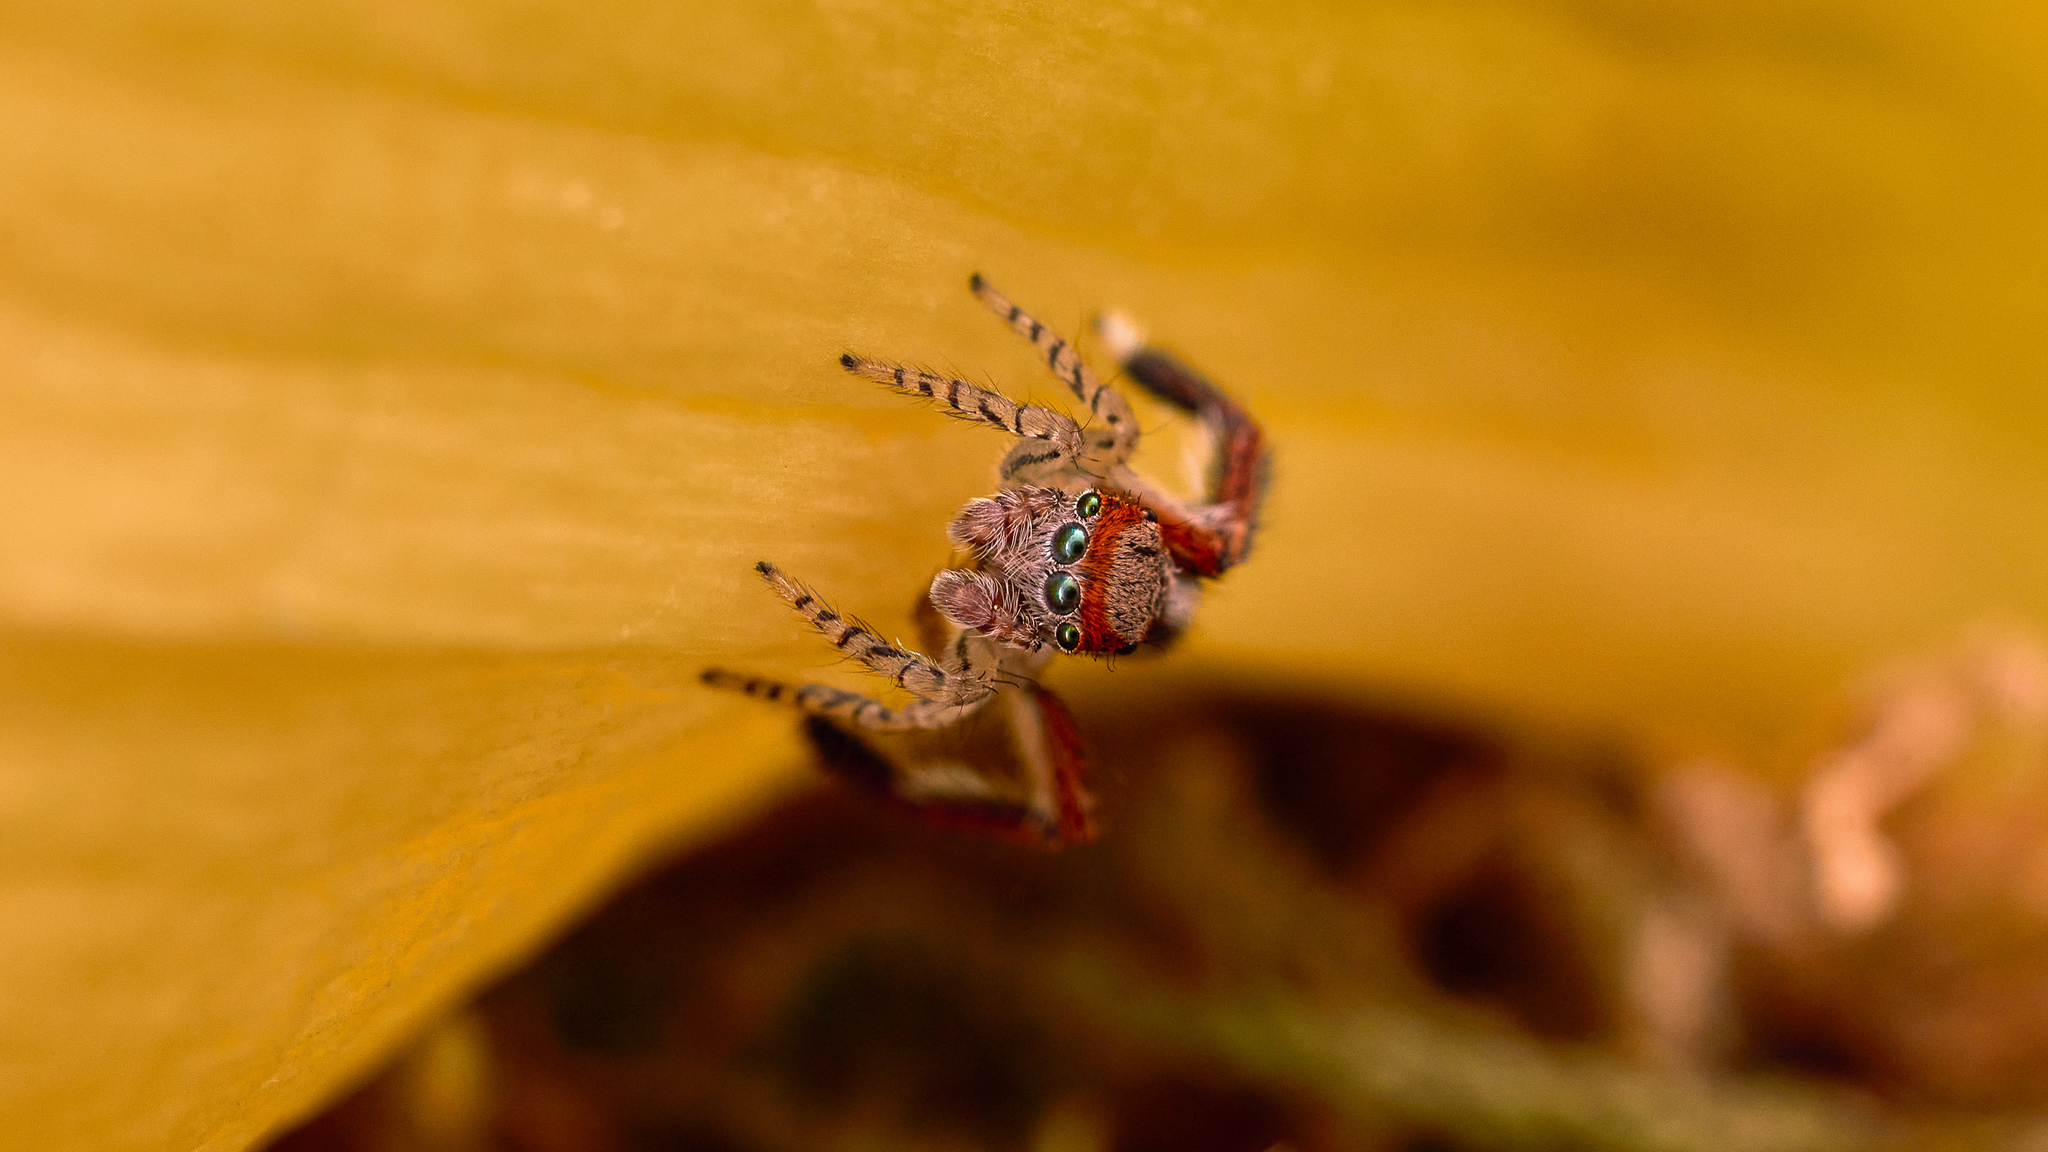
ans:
(1119, 574)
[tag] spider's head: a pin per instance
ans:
(1084, 573)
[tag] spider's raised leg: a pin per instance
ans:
(945, 692)
(1051, 435)
(1216, 535)
(1053, 809)
(1112, 432)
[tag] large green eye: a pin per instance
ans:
(1069, 542)
(1068, 635)
(1088, 505)
(1062, 593)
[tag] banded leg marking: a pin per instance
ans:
(974, 404)
(853, 708)
(916, 673)
(1103, 402)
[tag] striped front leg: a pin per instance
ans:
(1112, 433)
(944, 693)
(1056, 432)
(853, 708)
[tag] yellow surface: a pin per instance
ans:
(394, 396)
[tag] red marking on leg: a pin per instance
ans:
(1075, 807)
(1243, 476)
(1240, 468)
(853, 761)
(1000, 821)
(1195, 549)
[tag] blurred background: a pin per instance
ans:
(1628, 734)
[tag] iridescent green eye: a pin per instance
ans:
(1088, 505)
(1068, 635)
(1062, 593)
(1069, 542)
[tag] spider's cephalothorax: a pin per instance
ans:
(1084, 573)
(1077, 553)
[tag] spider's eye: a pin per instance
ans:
(1068, 635)
(1069, 542)
(1062, 593)
(1088, 505)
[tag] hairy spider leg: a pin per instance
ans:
(1112, 434)
(1057, 811)
(1217, 535)
(974, 404)
(1049, 443)
(1051, 746)
(946, 692)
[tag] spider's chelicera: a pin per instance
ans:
(1077, 553)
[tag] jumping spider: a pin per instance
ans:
(1077, 553)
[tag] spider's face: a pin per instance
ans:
(1084, 572)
